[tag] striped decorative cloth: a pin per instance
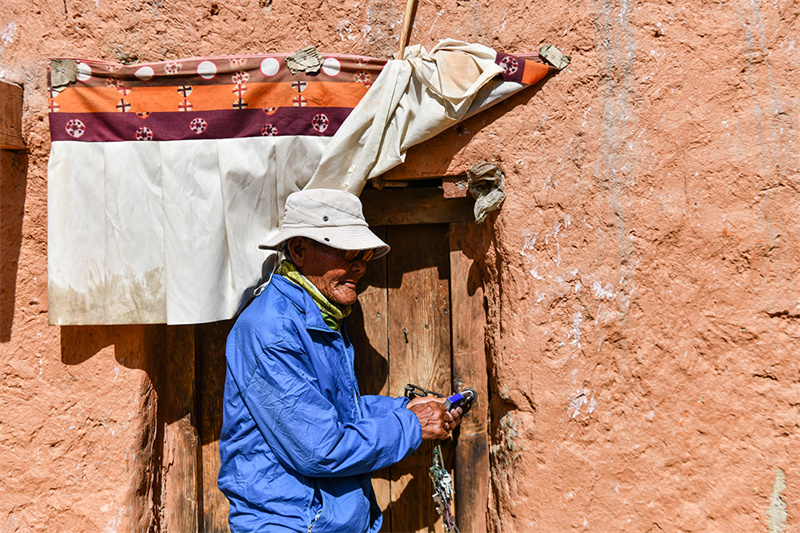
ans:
(208, 98)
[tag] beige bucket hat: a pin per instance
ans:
(328, 216)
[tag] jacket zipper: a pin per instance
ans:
(311, 525)
(351, 377)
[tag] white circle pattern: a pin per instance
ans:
(207, 70)
(145, 73)
(270, 66)
(84, 72)
(331, 67)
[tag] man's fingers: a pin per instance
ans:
(424, 399)
(437, 422)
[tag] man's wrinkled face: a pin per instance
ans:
(328, 270)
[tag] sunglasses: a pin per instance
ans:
(356, 255)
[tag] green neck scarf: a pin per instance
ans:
(332, 314)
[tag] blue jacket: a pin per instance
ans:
(298, 440)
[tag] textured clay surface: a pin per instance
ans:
(641, 278)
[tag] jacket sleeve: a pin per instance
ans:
(373, 406)
(302, 426)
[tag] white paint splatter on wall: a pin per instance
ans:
(344, 29)
(7, 35)
(582, 398)
(531, 240)
(576, 328)
(602, 292)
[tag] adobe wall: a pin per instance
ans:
(646, 313)
(641, 277)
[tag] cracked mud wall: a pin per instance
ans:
(642, 278)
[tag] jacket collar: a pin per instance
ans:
(303, 302)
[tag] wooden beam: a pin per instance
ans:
(456, 187)
(414, 205)
(11, 117)
(469, 370)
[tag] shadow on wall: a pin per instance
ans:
(135, 346)
(186, 367)
(13, 183)
(182, 362)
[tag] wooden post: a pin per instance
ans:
(179, 467)
(11, 117)
(469, 370)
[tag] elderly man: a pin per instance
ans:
(299, 441)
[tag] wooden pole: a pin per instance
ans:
(408, 20)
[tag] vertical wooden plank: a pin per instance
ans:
(469, 370)
(366, 328)
(13, 187)
(179, 470)
(179, 496)
(210, 341)
(419, 353)
(11, 117)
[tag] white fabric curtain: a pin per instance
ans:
(168, 232)
(165, 232)
(410, 102)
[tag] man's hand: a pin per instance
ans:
(436, 421)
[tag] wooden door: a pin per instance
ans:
(401, 334)
(404, 332)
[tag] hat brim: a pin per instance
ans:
(340, 237)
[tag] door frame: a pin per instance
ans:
(190, 442)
